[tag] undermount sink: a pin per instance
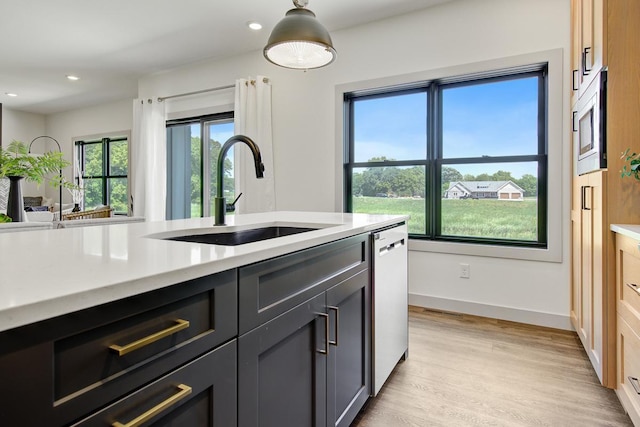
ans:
(240, 237)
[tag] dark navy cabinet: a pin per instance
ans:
(282, 342)
(59, 371)
(308, 363)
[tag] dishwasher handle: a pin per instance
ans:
(388, 248)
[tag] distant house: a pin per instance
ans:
(502, 190)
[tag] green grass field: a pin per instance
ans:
(475, 218)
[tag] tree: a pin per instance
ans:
(356, 184)
(227, 175)
(501, 176)
(450, 175)
(529, 184)
(483, 177)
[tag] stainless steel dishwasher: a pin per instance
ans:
(390, 305)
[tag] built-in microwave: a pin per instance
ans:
(589, 127)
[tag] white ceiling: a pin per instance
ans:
(111, 43)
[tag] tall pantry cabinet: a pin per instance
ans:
(605, 33)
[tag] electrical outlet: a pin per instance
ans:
(465, 271)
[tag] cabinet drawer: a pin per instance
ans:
(185, 397)
(85, 360)
(628, 283)
(269, 288)
(628, 384)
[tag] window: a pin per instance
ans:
(104, 165)
(466, 157)
(188, 194)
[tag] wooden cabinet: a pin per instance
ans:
(70, 366)
(611, 29)
(310, 363)
(628, 310)
(588, 42)
(588, 272)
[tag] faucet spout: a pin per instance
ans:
(220, 204)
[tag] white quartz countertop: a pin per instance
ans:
(629, 230)
(47, 273)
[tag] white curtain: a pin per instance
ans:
(149, 160)
(252, 118)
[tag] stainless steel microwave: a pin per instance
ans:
(590, 127)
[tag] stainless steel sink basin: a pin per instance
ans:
(240, 237)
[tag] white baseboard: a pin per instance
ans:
(492, 311)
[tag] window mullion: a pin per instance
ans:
(205, 170)
(434, 148)
(105, 171)
(349, 158)
(543, 163)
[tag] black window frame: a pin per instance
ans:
(106, 165)
(202, 120)
(434, 161)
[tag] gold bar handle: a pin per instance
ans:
(326, 333)
(142, 342)
(337, 310)
(185, 391)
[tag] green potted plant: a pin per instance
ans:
(16, 163)
(632, 164)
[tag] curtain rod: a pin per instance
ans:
(197, 92)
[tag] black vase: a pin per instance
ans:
(15, 204)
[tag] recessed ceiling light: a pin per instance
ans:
(72, 77)
(11, 94)
(254, 25)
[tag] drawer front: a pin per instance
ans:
(201, 393)
(269, 288)
(628, 283)
(628, 384)
(89, 361)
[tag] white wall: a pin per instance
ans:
(308, 176)
(86, 122)
(24, 127)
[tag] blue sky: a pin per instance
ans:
(493, 119)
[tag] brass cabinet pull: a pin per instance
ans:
(142, 342)
(634, 287)
(634, 384)
(326, 334)
(185, 390)
(337, 321)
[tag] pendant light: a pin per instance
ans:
(299, 41)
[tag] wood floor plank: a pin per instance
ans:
(471, 371)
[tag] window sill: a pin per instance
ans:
(492, 251)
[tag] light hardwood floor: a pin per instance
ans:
(471, 371)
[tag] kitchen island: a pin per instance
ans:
(106, 325)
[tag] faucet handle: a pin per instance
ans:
(231, 207)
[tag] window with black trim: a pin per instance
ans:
(104, 166)
(466, 157)
(193, 145)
